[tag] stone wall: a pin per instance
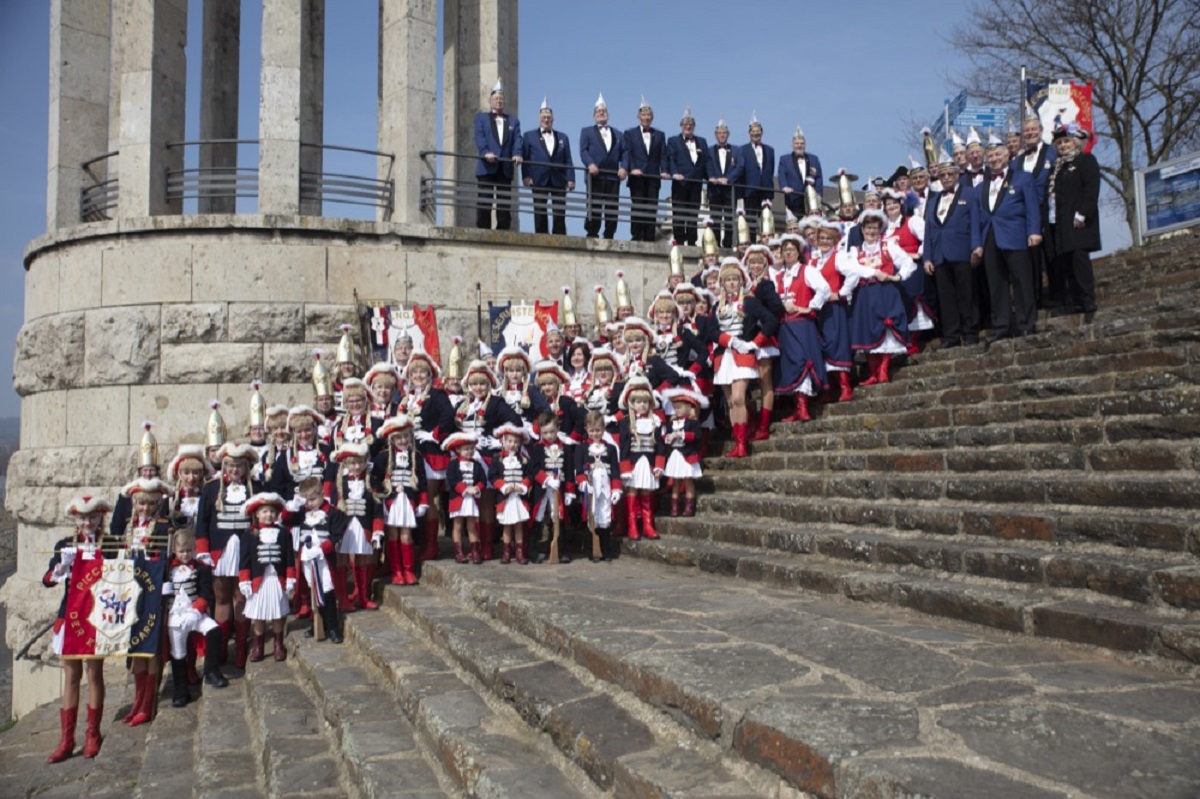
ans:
(151, 319)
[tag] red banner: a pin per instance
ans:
(1081, 96)
(545, 316)
(426, 320)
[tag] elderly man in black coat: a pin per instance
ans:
(1073, 197)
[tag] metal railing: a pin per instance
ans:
(96, 200)
(350, 189)
(467, 196)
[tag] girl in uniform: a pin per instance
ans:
(267, 573)
(349, 491)
(509, 476)
(398, 477)
(466, 479)
(681, 440)
(189, 582)
(642, 461)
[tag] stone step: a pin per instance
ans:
(1019, 609)
(616, 748)
(1165, 456)
(295, 745)
(852, 699)
(1154, 578)
(1153, 529)
(169, 763)
(227, 762)
(483, 747)
(378, 745)
(1151, 493)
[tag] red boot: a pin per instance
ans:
(487, 540)
(872, 370)
(739, 442)
(280, 649)
(764, 426)
(632, 506)
(751, 422)
(143, 710)
(408, 563)
(476, 554)
(256, 650)
(847, 392)
(689, 506)
(242, 634)
(459, 555)
(303, 601)
(520, 553)
(885, 365)
(66, 744)
(362, 576)
(429, 537)
(506, 552)
(395, 563)
(647, 502)
(676, 508)
(92, 738)
(801, 414)
(339, 589)
(139, 689)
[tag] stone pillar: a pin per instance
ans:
(153, 85)
(219, 61)
(290, 103)
(407, 100)
(479, 45)
(78, 132)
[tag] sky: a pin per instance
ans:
(854, 88)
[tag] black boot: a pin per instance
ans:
(329, 615)
(179, 696)
(608, 545)
(212, 664)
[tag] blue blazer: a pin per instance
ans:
(950, 241)
(650, 161)
(1017, 215)
(533, 149)
(591, 151)
(485, 142)
(1041, 170)
(712, 168)
(749, 173)
(789, 176)
(679, 161)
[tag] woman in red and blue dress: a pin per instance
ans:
(801, 362)
(879, 322)
(908, 231)
(834, 316)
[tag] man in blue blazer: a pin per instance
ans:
(755, 176)
(687, 164)
(547, 169)
(1008, 223)
(602, 151)
(498, 140)
(1037, 159)
(645, 148)
(795, 169)
(720, 170)
(950, 217)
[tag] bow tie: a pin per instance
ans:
(689, 139)
(1030, 150)
(603, 128)
(997, 176)
(546, 132)
(645, 131)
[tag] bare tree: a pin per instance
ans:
(1143, 57)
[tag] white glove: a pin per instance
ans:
(205, 558)
(295, 504)
(736, 344)
(609, 419)
(489, 442)
(583, 487)
(246, 589)
(309, 552)
(168, 588)
(422, 510)
(616, 497)
(289, 587)
(568, 499)
(425, 437)
(551, 483)
(66, 556)
(377, 539)
(60, 573)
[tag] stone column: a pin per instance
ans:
(290, 103)
(153, 84)
(479, 45)
(407, 100)
(79, 45)
(219, 61)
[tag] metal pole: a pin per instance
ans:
(1021, 102)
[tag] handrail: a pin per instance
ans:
(86, 165)
(341, 148)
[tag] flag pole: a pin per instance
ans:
(1021, 103)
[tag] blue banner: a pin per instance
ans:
(498, 319)
(145, 638)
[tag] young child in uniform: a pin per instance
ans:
(267, 576)
(640, 438)
(681, 439)
(596, 478)
(466, 480)
(317, 529)
(549, 464)
(398, 478)
(348, 489)
(509, 475)
(190, 583)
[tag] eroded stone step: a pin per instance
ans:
(485, 753)
(616, 749)
(374, 739)
(1154, 578)
(291, 736)
(228, 762)
(169, 765)
(1155, 529)
(850, 699)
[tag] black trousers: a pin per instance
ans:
(643, 194)
(1076, 269)
(1010, 271)
(495, 191)
(720, 206)
(795, 203)
(685, 210)
(547, 197)
(956, 301)
(602, 205)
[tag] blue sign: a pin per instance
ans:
(957, 105)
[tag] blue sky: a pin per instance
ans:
(851, 78)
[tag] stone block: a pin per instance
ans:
(1179, 587)
(1009, 526)
(990, 609)
(194, 323)
(44, 419)
(322, 324)
(450, 278)
(68, 467)
(211, 363)
(290, 363)
(376, 272)
(1096, 574)
(79, 278)
(50, 354)
(261, 322)
(179, 412)
(41, 286)
(1113, 628)
(258, 272)
(98, 416)
(147, 273)
(1017, 567)
(122, 345)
